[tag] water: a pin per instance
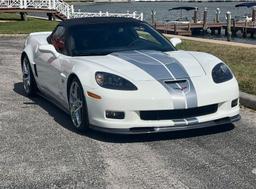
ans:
(162, 13)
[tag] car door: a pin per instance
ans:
(49, 66)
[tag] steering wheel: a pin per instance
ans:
(136, 41)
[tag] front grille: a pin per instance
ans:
(179, 113)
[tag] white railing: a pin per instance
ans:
(62, 7)
(11, 4)
(107, 14)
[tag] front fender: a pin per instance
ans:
(207, 61)
(85, 71)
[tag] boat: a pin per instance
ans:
(181, 19)
(246, 17)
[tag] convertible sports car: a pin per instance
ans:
(120, 75)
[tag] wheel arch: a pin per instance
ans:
(29, 52)
(23, 55)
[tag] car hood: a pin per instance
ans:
(148, 64)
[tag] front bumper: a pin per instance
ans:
(144, 130)
(132, 103)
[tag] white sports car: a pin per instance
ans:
(120, 75)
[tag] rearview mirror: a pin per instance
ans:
(175, 41)
(48, 49)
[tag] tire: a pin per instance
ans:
(29, 83)
(77, 106)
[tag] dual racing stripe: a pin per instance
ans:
(178, 72)
(162, 67)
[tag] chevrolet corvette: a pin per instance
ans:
(120, 75)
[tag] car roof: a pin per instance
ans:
(98, 20)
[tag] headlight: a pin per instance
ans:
(221, 73)
(111, 81)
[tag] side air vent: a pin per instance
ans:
(35, 69)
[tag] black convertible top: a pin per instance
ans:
(104, 35)
(97, 20)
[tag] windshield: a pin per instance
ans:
(102, 39)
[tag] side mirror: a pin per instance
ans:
(175, 41)
(48, 49)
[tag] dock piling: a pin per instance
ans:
(245, 29)
(195, 18)
(219, 31)
(234, 27)
(217, 18)
(23, 16)
(205, 20)
(228, 15)
(50, 16)
(175, 28)
(153, 13)
(254, 13)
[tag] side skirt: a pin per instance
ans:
(53, 101)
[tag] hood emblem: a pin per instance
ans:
(181, 88)
(179, 85)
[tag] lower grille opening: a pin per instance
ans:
(179, 113)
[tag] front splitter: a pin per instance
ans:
(145, 130)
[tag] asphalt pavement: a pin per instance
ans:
(40, 149)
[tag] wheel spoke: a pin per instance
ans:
(78, 118)
(25, 72)
(78, 106)
(75, 90)
(73, 96)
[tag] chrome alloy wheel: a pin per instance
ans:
(26, 75)
(76, 104)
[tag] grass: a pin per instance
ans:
(240, 59)
(13, 24)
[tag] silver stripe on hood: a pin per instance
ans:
(179, 72)
(163, 67)
(147, 64)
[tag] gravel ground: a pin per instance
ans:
(40, 149)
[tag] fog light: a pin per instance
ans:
(114, 115)
(234, 103)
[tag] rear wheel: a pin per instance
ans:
(29, 83)
(77, 106)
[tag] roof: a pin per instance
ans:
(183, 8)
(248, 5)
(97, 20)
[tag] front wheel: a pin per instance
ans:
(77, 106)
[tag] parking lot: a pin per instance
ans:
(40, 149)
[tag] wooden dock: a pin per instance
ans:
(188, 29)
(245, 28)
